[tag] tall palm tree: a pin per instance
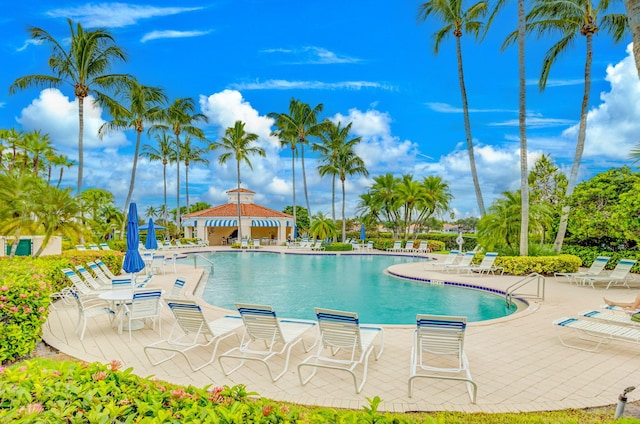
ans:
(334, 137)
(162, 154)
(458, 21)
(435, 198)
(180, 117)
(141, 103)
(571, 18)
(301, 122)
(410, 194)
(346, 163)
(384, 192)
(191, 154)
(237, 143)
(522, 122)
(290, 140)
(83, 66)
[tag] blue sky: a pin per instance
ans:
(370, 63)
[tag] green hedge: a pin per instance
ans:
(46, 391)
(338, 247)
(25, 287)
(589, 254)
(546, 265)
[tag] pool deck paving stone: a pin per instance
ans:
(518, 362)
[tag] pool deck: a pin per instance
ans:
(517, 362)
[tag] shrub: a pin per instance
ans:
(338, 247)
(546, 265)
(589, 254)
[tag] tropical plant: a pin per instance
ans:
(180, 117)
(237, 143)
(458, 21)
(344, 162)
(141, 103)
(56, 212)
(191, 154)
(163, 154)
(84, 66)
(323, 227)
(571, 18)
(295, 128)
(17, 201)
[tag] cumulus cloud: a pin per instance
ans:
(155, 35)
(115, 15)
(29, 42)
(55, 114)
(616, 120)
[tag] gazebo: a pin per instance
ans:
(219, 225)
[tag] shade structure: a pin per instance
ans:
(363, 235)
(151, 243)
(132, 260)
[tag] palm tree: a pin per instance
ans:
(322, 227)
(301, 122)
(162, 154)
(141, 104)
(457, 21)
(333, 139)
(571, 18)
(435, 198)
(191, 154)
(409, 194)
(84, 66)
(39, 146)
(237, 143)
(56, 212)
(151, 212)
(384, 194)
(17, 201)
(346, 163)
(180, 117)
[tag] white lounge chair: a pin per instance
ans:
(449, 260)
(144, 305)
(423, 247)
(178, 285)
(464, 263)
(88, 309)
(408, 247)
(256, 243)
(618, 276)
(610, 317)
(105, 268)
(369, 245)
(157, 264)
(397, 247)
(244, 244)
(90, 280)
(192, 331)
(79, 285)
(595, 332)
(317, 246)
(93, 246)
(81, 247)
(486, 265)
(438, 351)
(343, 345)
(596, 268)
(104, 246)
(265, 337)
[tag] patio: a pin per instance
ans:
(517, 362)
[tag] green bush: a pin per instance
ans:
(45, 391)
(546, 265)
(589, 254)
(338, 247)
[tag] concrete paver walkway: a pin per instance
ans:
(517, 362)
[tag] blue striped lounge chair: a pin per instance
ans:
(594, 332)
(435, 339)
(343, 345)
(596, 268)
(191, 331)
(265, 336)
(618, 276)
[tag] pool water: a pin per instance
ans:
(295, 284)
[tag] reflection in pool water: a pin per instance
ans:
(295, 284)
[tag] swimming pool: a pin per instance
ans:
(295, 284)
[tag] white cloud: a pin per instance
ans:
(309, 85)
(535, 122)
(29, 42)
(155, 35)
(447, 108)
(115, 15)
(55, 114)
(557, 82)
(312, 55)
(613, 126)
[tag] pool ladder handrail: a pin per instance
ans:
(540, 280)
(205, 274)
(195, 260)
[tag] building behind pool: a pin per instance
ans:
(219, 225)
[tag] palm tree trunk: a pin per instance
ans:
(333, 198)
(467, 129)
(304, 180)
(633, 14)
(80, 144)
(522, 120)
(60, 179)
(164, 179)
(133, 178)
(239, 209)
(344, 221)
(178, 184)
(293, 182)
(186, 183)
(577, 158)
